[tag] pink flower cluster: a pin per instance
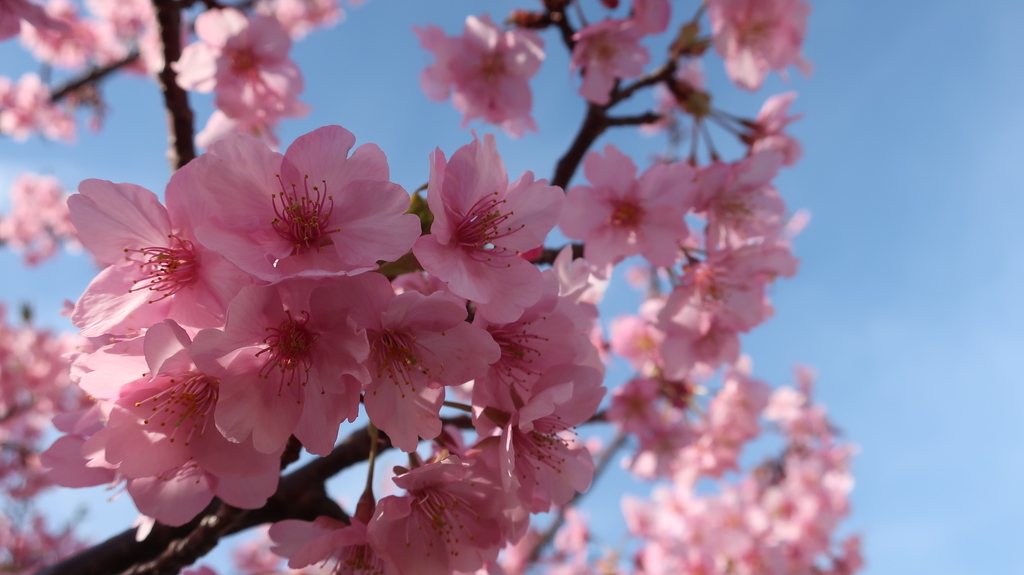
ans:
(247, 310)
(300, 17)
(486, 71)
(34, 386)
(38, 221)
(779, 519)
(608, 51)
(244, 61)
(76, 43)
(25, 108)
(758, 36)
(28, 543)
(60, 37)
(721, 290)
(272, 299)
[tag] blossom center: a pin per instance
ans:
(243, 61)
(604, 49)
(359, 560)
(711, 283)
(166, 270)
(397, 359)
(289, 350)
(442, 510)
(485, 224)
(626, 214)
(302, 216)
(517, 354)
(544, 448)
(181, 410)
(755, 31)
(492, 66)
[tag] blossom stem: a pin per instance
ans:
(374, 434)
(93, 75)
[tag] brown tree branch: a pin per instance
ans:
(594, 124)
(179, 115)
(638, 120)
(558, 18)
(662, 73)
(597, 120)
(549, 254)
(199, 542)
(94, 75)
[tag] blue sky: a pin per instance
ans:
(908, 301)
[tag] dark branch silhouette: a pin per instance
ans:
(179, 115)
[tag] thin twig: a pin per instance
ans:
(549, 254)
(559, 19)
(638, 120)
(93, 75)
(662, 73)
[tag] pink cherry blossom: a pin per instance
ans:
(481, 223)
(259, 124)
(729, 284)
(280, 360)
(757, 36)
(576, 282)
(449, 520)
(176, 496)
(695, 337)
(739, 199)
(156, 267)
(417, 344)
(133, 22)
(245, 61)
(731, 421)
(166, 418)
(129, 18)
(300, 17)
(607, 51)
(421, 281)
(486, 70)
(652, 16)
(536, 461)
(25, 107)
(313, 212)
(660, 446)
(771, 124)
(619, 215)
(75, 44)
(638, 339)
(327, 541)
(634, 405)
(552, 332)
